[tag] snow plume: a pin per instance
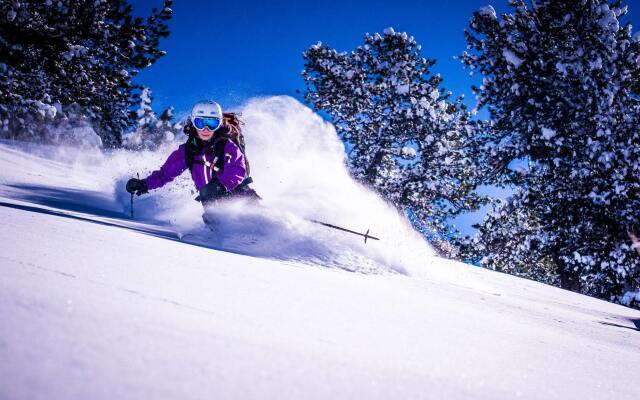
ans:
(298, 165)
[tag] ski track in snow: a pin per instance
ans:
(264, 304)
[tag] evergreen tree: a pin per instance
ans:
(56, 55)
(494, 245)
(151, 131)
(406, 138)
(560, 81)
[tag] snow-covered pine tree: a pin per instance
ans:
(405, 137)
(495, 247)
(150, 131)
(73, 53)
(560, 81)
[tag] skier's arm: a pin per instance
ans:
(174, 166)
(234, 167)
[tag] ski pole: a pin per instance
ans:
(366, 235)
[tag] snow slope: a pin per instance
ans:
(96, 305)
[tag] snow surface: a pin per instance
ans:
(96, 305)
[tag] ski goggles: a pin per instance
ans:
(206, 122)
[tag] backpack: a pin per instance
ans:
(230, 130)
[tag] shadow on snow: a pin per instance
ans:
(80, 201)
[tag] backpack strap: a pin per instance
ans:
(219, 156)
(194, 146)
(233, 134)
(191, 147)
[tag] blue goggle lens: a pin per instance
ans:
(201, 123)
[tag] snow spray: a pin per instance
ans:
(298, 164)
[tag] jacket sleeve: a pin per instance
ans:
(174, 166)
(234, 169)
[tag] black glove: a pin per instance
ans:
(137, 186)
(213, 191)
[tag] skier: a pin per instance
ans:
(214, 154)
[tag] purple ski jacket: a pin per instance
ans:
(202, 171)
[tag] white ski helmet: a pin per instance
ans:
(206, 109)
